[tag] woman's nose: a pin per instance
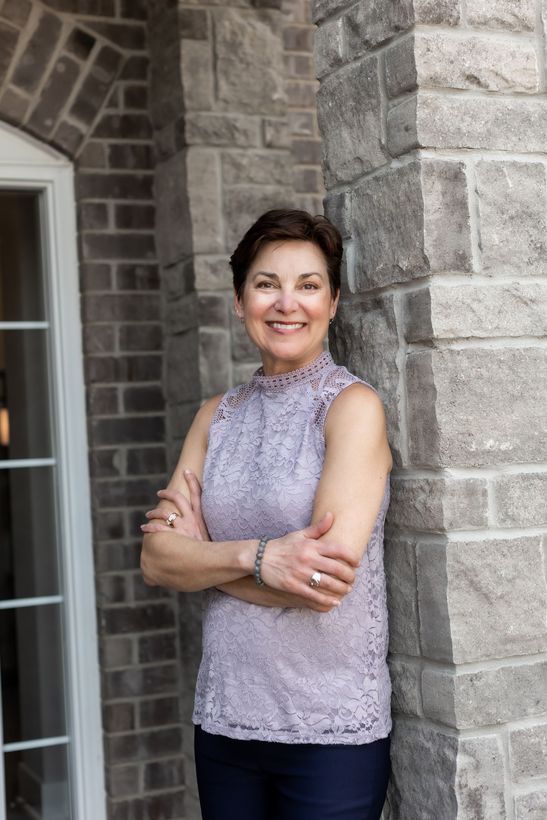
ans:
(285, 301)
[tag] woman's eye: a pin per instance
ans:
(263, 284)
(310, 286)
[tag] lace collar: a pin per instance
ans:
(283, 381)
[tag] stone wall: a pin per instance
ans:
(74, 73)
(434, 120)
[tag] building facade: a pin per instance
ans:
(138, 140)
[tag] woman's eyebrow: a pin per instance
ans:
(275, 276)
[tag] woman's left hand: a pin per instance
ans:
(189, 520)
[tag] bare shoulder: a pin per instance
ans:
(357, 402)
(357, 415)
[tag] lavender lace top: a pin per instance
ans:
(287, 674)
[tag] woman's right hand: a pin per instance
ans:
(290, 561)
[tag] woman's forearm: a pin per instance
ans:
(173, 560)
(246, 590)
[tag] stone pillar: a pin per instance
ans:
(434, 121)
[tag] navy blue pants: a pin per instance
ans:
(257, 780)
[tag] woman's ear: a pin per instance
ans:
(335, 301)
(238, 307)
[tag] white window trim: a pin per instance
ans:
(27, 164)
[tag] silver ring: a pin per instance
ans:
(315, 580)
(171, 518)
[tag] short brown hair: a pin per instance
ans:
(286, 223)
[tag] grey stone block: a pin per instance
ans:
(411, 220)
(528, 752)
(183, 385)
(181, 314)
(33, 64)
(173, 223)
(214, 361)
(513, 222)
(435, 12)
(515, 15)
(482, 599)
(243, 350)
(212, 272)
(249, 61)
(275, 132)
(433, 605)
(388, 227)
(221, 129)
(320, 9)
(197, 75)
(338, 210)
(466, 311)
(373, 22)
(423, 773)
(400, 568)
(204, 194)
(475, 62)
(256, 167)
(243, 205)
(357, 147)
(479, 779)
(486, 697)
(531, 806)
(242, 373)
(329, 50)
(400, 67)
(438, 504)
(364, 337)
(213, 310)
(497, 122)
(520, 500)
(405, 680)
(462, 406)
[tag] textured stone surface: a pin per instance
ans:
(405, 681)
(491, 597)
(500, 123)
(171, 181)
(214, 361)
(513, 218)
(437, 11)
(329, 47)
(256, 167)
(364, 337)
(438, 504)
(515, 15)
(475, 62)
(520, 500)
(452, 399)
(479, 779)
(221, 129)
(529, 752)
(197, 75)
(387, 225)
(356, 148)
(447, 239)
(485, 697)
(241, 206)
(400, 66)
(423, 773)
(532, 806)
(466, 311)
(249, 61)
(400, 567)
(205, 200)
(367, 24)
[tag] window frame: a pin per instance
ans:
(26, 164)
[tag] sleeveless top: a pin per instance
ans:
(290, 675)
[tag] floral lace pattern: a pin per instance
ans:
(287, 674)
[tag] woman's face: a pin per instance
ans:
(287, 304)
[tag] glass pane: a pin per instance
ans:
(28, 533)
(24, 395)
(32, 673)
(37, 784)
(21, 280)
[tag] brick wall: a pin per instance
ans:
(74, 73)
(434, 120)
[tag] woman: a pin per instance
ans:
(292, 701)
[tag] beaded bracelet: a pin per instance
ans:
(258, 560)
